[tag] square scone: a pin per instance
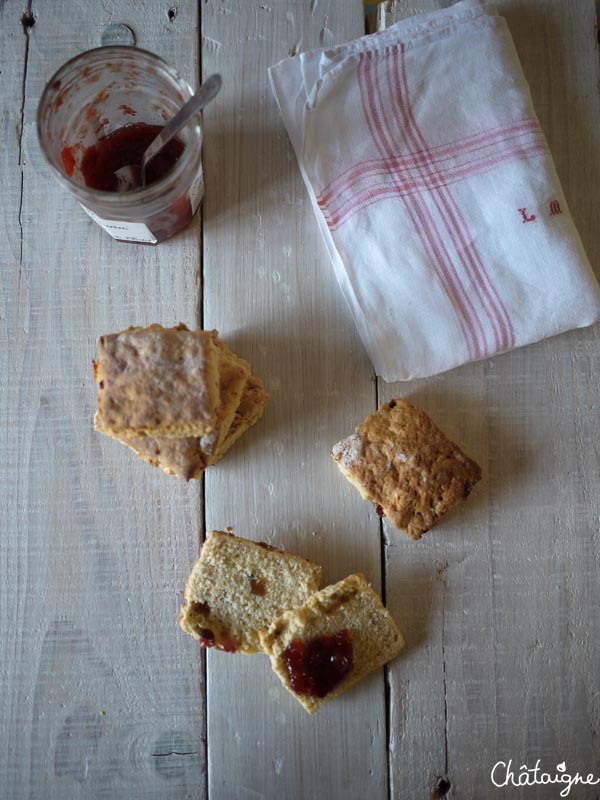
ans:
(253, 402)
(156, 381)
(339, 636)
(402, 462)
(182, 457)
(234, 372)
(187, 457)
(238, 587)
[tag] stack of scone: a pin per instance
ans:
(178, 398)
(248, 597)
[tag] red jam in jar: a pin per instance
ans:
(125, 146)
(316, 667)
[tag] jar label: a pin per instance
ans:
(125, 231)
(196, 191)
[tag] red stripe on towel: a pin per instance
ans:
(466, 250)
(338, 212)
(419, 215)
(420, 176)
(457, 151)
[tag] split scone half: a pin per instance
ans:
(402, 462)
(339, 636)
(157, 381)
(238, 587)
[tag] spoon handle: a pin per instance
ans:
(204, 95)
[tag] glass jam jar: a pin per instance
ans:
(97, 94)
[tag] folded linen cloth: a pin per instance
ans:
(435, 191)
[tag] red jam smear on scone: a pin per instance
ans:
(316, 667)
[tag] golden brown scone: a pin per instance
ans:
(234, 373)
(341, 634)
(402, 462)
(238, 586)
(157, 381)
(182, 457)
(252, 404)
(188, 456)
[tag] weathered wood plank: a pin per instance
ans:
(270, 288)
(103, 692)
(501, 603)
(13, 298)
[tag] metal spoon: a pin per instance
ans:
(133, 176)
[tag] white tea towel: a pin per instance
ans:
(435, 191)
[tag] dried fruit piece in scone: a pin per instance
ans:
(238, 586)
(187, 457)
(402, 462)
(157, 381)
(339, 636)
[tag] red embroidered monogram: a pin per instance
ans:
(555, 208)
(420, 176)
(525, 217)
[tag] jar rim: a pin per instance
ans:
(143, 194)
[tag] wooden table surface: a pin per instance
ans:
(102, 695)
